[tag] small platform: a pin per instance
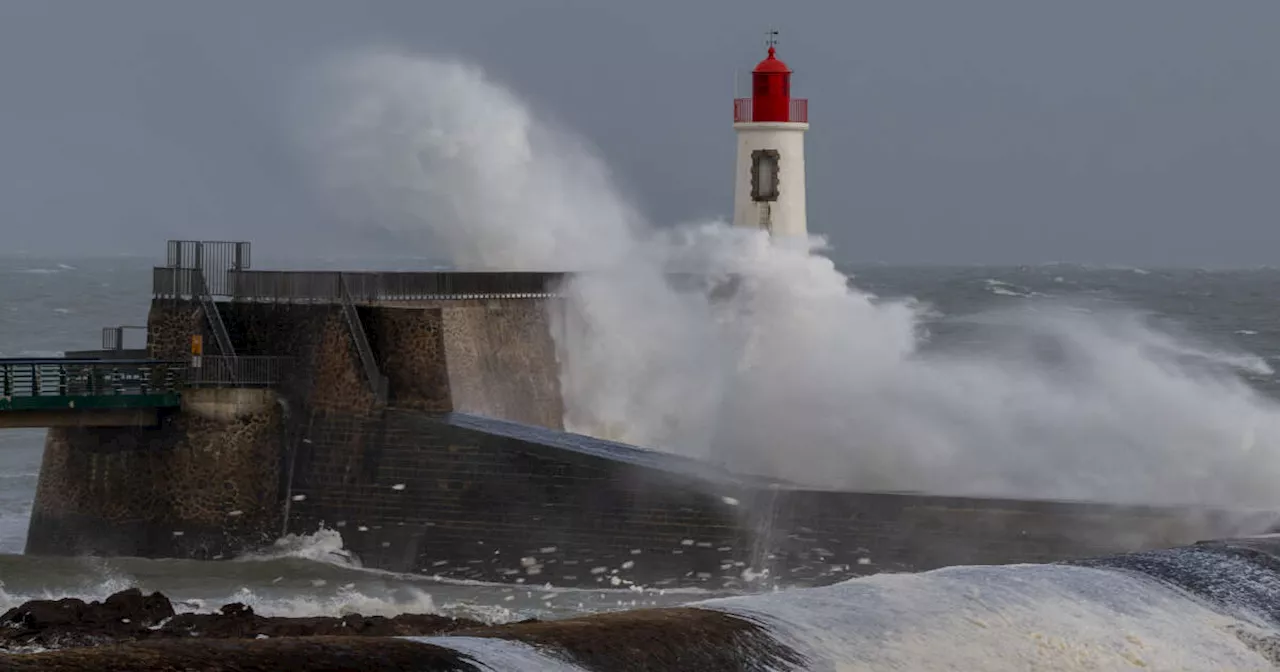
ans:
(68, 392)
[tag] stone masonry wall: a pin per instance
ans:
(494, 358)
(411, 492)
(192, 487)
(423, 493)
(502, 362)
(409, 343)
(170, 326)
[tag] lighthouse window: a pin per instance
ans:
(764, 175)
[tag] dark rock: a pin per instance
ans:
(131, 616)
(669, 638)
(133, 605)
(307, 654)
(679, 638)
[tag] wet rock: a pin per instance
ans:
(644, 640)
(131, 616)
(669, 638)
(309, 654)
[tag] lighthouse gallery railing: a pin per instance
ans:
(797, 112)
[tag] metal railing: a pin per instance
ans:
(243, 371)
(25, 380)
(214, 257)
(797, 111)
(368, 287)
(172, 283)
(214, 317)
(373, 373)
(113, 338)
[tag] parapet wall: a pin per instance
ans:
(494, 357)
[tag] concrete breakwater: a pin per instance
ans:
(419, 415)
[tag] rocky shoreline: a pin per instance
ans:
(133, 632)
(131, 616)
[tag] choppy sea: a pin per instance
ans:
(1026, 617)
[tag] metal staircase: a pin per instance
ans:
(377, 381)
(211, 312)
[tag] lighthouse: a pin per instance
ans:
(769, 175)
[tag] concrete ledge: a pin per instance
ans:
(226, 404)
(98, 417)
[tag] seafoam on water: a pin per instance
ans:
(1003, 618)
(309, 575)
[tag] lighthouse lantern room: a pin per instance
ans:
(769, 176)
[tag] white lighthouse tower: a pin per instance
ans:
(769, 176)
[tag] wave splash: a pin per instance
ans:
(1004, 618)
(324, 545)
(1199, 608)
(774, 363)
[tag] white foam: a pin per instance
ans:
(404, 600)
(97, 586)
(325, 545)
(1001, 618)
(501, 655)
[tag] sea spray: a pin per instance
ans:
(415, 145)
(324, 545)
(777, 365)
(1018, 617)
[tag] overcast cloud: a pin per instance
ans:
(1144, 132)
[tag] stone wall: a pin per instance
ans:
(191, 487)
(412, 491)
(170, 326)
(471, 498)
(494, 357)
(502, 362)
(168, 490)
(409, 343)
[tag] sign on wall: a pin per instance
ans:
(197, 350)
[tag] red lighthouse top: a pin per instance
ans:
(771, 94)
(772, 64)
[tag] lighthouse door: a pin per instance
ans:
(764, 175)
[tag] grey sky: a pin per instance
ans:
(1143, 131)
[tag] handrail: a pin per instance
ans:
(241, 371)
(744, 111)
(214, 316)
(377, 381)
(376, 286)
(113, 337)
(362, 286)
(32, 378)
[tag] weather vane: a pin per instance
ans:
(771, 38)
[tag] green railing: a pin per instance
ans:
(57, 384)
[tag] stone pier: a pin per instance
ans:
(462, 467)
